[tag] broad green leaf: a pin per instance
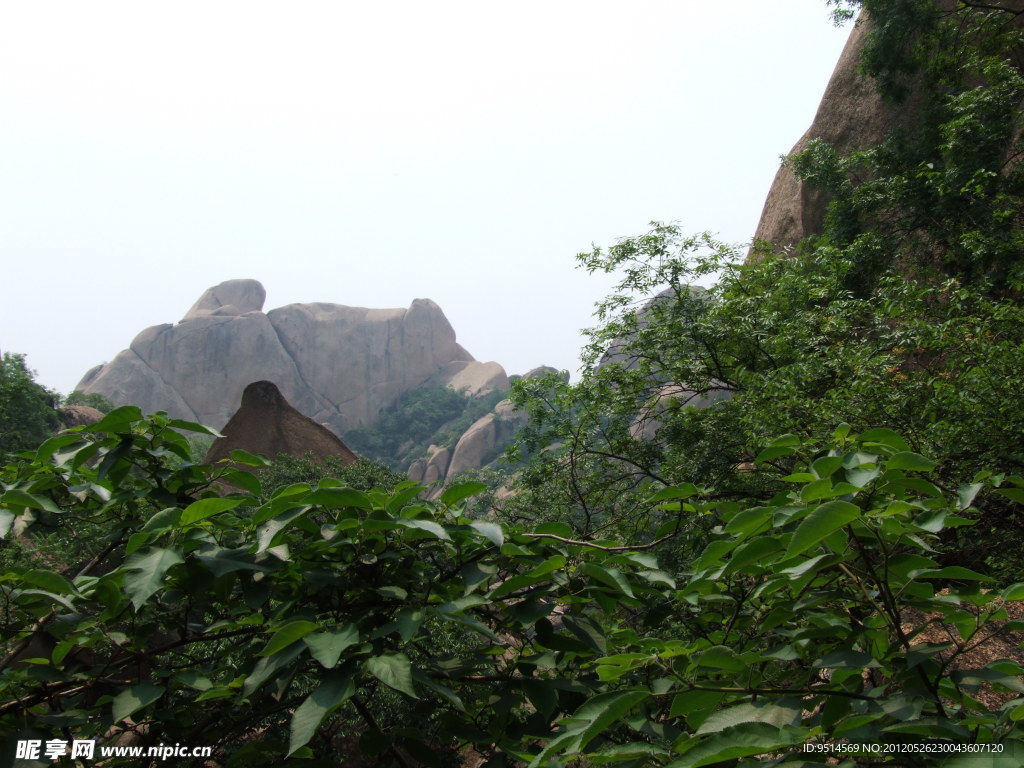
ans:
(721, 657)
(6, 521)
(491, 531)
(443, 691)
(563, 530)
(819, 489)
(714, 552)
(291, 632)
(118, 420)
(862, 476)
(588, 722)
(911, 461)
(409, 621)
(50, 581)
(475, 573)
(553, 563)
(241, 478)
(424, 525)
(966, 495)
(611, 577)
(133, 698)
(17, 498)
(824, 520)
(53, 444)
(401, 497)
(164, 520)
(247, 459)
(1016, 494)
(932, 521)
(613, 667)
(753, 552)
(230, 560)
(643, 559)
(1013, 592)
(326, 647)
(588, 631)
(621, 753)
(796, 571)
(394, 670)
(145, 571)
(780, 713)
(826, 465)
(456, 493)
(334, 691)
(694, 701)
(192, 426)
(774, 452)
(452, 612)
(750, 521)
(204, 508)
(23, 593)
(393, 592)
(744, 740)
(194, 679)
(540, 572)
(885, 436)
(268, 666)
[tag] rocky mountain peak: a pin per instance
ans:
(339, 365)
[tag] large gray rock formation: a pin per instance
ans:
(338, 365)
(480, 444)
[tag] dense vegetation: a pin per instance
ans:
(324, 617)
(363, 475)
(426, 415)
(91, 399)
(27, 413)
(809, 565)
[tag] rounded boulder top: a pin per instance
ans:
(232, 297)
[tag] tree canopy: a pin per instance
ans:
(27, 414)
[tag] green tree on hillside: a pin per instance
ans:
(91, 399)
(27, 409)
(904, 312)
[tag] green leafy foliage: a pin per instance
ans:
(363, 475)
(91, 399)
(297, 620)
(427, 415)
(27, 412)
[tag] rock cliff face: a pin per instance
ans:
(78, 416)
(852, 116)
(338, 365)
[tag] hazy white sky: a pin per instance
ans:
(371, 153)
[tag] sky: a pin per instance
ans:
(371, 153)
